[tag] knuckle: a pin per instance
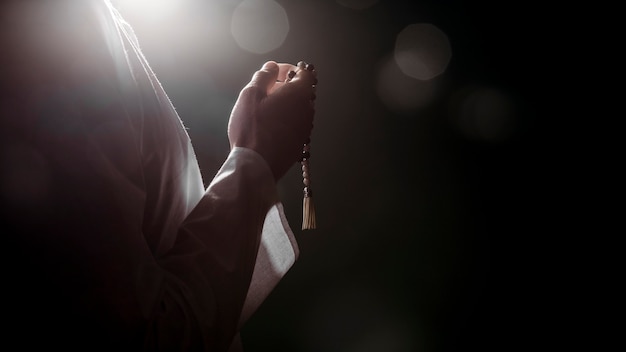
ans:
(250, 90)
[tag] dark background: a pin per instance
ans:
(431, 236)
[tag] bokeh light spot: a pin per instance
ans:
(401, 93)
(422, 51)
(259, 26)
(23, 175)
(357, 4)
(359, 319)
(485, 114)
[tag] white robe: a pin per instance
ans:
(119, 244)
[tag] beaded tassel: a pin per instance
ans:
(308, 209)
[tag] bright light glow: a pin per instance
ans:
(357, 4)
(259, 26)
(422, 51)
(148, 9)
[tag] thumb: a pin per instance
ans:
(265, 78)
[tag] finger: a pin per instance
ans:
(305, 77)
(284, 71)
(304, 85)
(265, 78)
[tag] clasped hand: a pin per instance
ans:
(274, 115)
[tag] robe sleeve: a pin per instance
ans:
(223, 232)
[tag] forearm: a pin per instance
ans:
(216, 248)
